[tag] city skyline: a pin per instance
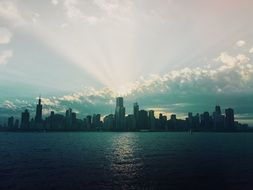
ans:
(138, 120)
(87, 53)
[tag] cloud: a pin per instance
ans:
(5, 56)
(9, 12)
(49, 101)
(73, 12)
(5, 35)
(240, 43)
(251, 50)
(231, 61)
(9, 105)
(54, 2)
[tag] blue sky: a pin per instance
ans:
(170, 56)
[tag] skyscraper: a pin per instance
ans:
(96, 121)
(120, 112)
(143, 119)
(229, 119)
(25, 119)
(218, 119)
(151, 119)
(38, 116)
(69, 118)
(218, 110)
(11, 122)
(136, 115)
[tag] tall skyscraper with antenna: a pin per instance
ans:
(38, 116)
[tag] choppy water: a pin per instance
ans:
(126, 161)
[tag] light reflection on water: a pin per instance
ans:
(126, 164)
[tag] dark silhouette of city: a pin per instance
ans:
(140, 120)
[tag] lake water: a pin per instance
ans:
(104, 160)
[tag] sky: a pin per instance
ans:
(172, 56)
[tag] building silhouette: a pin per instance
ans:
(68, 116)
(229, 119)
(218, 119)
(136, 115)
(11, 122)
(151, 120)
(143, 119)
(137, 121)
(25, 119)
(38, 116)
(120, 113)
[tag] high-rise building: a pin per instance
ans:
(151, 119)
(120, 112)
(190, 120)
(16, 125)
(88, 121)
(229, 119)
(143, 119)
(136, 115)
(69, 118)
(206, 121)
(74, 119)
(25, 119)
(11, 122)
(218, 119)
(96, 123)
(119, 102)
(130, 122)
(108, 122)
(38, 116)
(217, 109)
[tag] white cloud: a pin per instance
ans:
(74, 12)
(49, 101)
(251, 50)
(10, 13)
(240, 43)
(226, 59)
(9, 105)
(5, 56)
(5, 35)
(55, 2)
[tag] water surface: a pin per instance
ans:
(107, 160)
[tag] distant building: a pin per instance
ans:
(136, 115)
(151, 120)
(190, 120)
(143, 119)
(229, 119)
(11, 122)
(38, 116)
(130, 122)
(68, 118)
(74, 119)
(88, 121)
(96, 123)
(218, 119)
(16, 125)
(172, 123)
(120, 112)
(25, 119)
(108, 122)
(218, 110)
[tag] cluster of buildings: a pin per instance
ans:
(139, 120)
